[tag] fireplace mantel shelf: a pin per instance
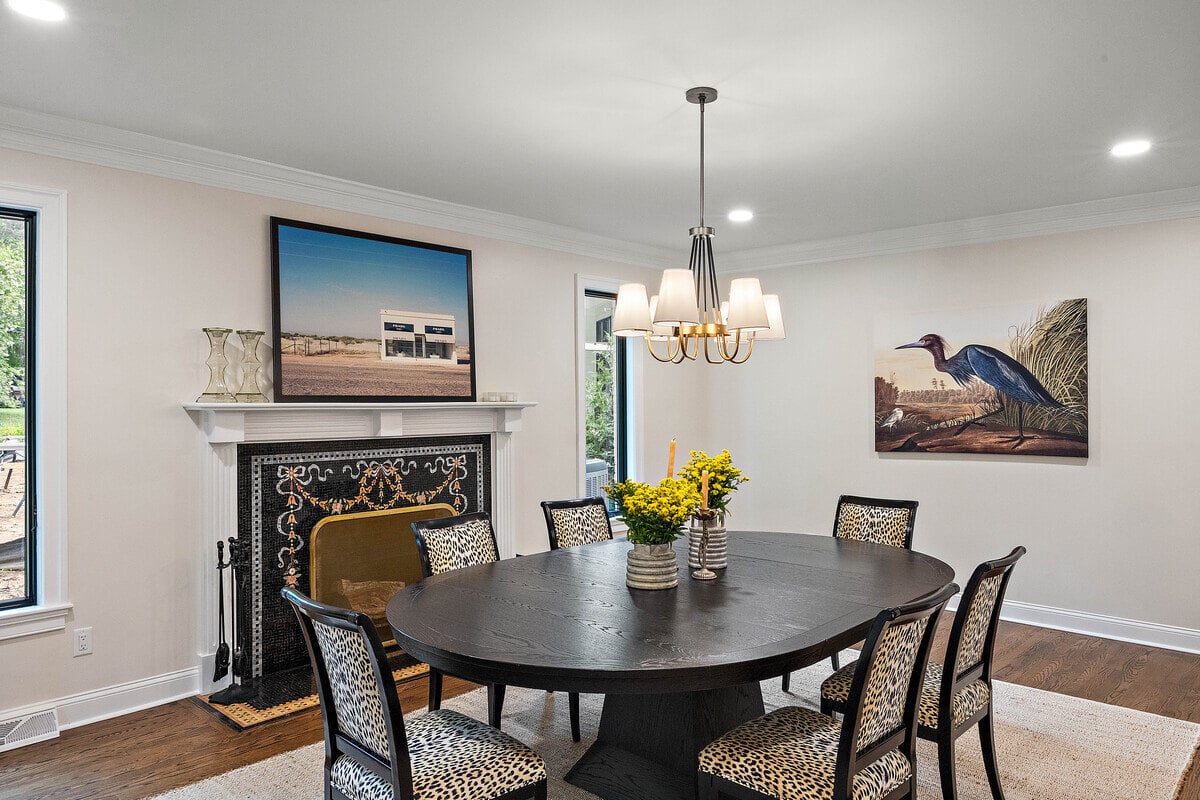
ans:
(224, 423)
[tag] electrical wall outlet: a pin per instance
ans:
(83, 642)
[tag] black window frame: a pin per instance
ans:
(621, 363)
(30, 218)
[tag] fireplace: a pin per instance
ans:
(271, 471)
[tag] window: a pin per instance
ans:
(605, 391)
(18, 546)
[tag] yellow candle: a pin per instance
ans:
(671, 461)
(704, 490)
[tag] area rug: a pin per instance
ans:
(1050, 747)
(288, 700)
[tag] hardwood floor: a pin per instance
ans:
(152, 751)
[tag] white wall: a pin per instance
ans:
(1114, 535)
(150, 262)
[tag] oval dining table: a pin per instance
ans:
(678, 667)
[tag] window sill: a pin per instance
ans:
(28, 621)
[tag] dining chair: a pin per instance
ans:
(794, 753)
(572, 523)
(960, 689)
(371, 752)
(448, 544)
(870, 519)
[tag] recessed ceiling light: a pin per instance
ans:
(741, 215)
(1133, 147)
(39, 9)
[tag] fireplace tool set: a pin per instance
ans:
(241, 688)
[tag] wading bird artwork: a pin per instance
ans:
(1025, 393)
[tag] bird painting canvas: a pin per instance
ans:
(1010, 380)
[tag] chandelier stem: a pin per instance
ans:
(702, 99)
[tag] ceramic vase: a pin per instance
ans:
(718, 543)
(217, 391)
(250, 391)
(652, 566)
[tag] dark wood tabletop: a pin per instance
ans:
(565, 619)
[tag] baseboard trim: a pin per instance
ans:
(1152, 634)
(114, 701)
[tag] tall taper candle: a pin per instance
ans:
(671, 461)
(704, 490)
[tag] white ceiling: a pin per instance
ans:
(833, 118)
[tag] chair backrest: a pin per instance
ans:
(455, 542)
(359, 705)
(973, 634)
(874, 519)
(571, 523)
(881, 711)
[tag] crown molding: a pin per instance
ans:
(1090, 215)
(76, 140)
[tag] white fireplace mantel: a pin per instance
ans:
(223, 426)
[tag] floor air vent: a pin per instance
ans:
(28, 729)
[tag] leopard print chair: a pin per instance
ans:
(573, 523)
(448, 544)
(371, 753)
(871, 519)
(960, 690)
(794, 753)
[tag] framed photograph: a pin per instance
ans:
(361, 317)
(1009, 380)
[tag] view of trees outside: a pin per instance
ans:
(13, 554)
(600, 393)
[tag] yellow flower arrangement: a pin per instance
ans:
(723, 478)
(655, 514)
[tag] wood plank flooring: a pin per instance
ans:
(148, 752)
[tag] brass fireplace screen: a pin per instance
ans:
(360, 560)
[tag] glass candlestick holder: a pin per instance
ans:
(250, 392)
(217, 391)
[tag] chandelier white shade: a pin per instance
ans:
(687, 313)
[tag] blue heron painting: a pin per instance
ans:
(1014, 387)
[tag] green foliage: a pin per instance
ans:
(600, 391)
(12, 308)
(12, 422)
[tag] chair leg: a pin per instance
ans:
(946, 765)
(987, 742)
(787, 681)
(836, 664)
(826, 706)
(573, 700)
(495, 704)
(539, 791)
(435, 689)
(705, 789)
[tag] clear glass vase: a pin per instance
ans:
(217, 391)
(250, 391)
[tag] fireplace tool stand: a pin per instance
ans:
(242, 687)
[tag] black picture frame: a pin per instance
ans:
(331, 287)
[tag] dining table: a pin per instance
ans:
(677, 667)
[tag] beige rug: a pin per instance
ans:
(1050, 747)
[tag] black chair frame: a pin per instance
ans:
(903, 738)
(398, 773)
(495, 691)
(548, 507)
(954, 680)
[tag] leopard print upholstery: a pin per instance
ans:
(966, 702)
(580, 525)
(458, 546)
(979, 619)
(356, 699)
(452, 756)
(791, 754)
(888, 680)
(878, 524)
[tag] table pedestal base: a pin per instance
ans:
(647, 745)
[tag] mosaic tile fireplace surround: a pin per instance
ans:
(271, 471)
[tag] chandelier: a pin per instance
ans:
(688, 313)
